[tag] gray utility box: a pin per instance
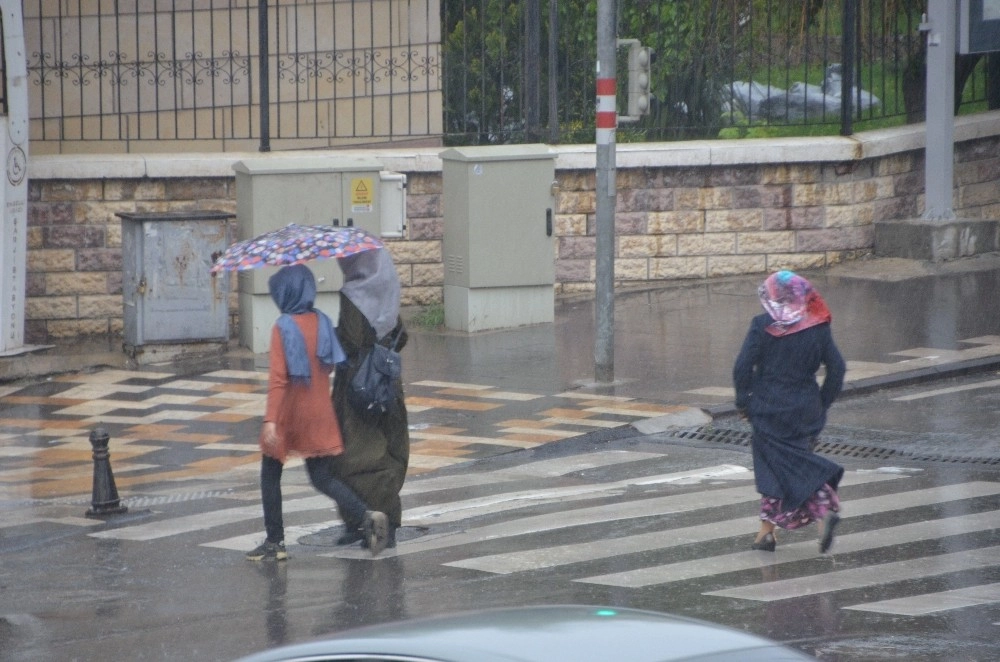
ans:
(273, 192)
(171, 303)
(499, 250)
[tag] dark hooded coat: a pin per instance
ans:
(775, 381)
(376, 455)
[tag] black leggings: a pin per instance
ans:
(352, 509)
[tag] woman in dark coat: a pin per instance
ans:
(376, 452)
(776, 389)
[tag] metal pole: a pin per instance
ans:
(553, 72)
(607, 120)
(265, 91)
(533, 69)
(939, 164)
(847, 68)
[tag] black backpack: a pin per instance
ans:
(371, 392)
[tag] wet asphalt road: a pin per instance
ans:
(73, 596)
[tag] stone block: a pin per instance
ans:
(716, 243)
(423, 229)
(51, 213)
(731, 265)
(99, 259)
(795, 261)
(744, 197)
(787, 173)
(60, 284)
(104, 306)
(765, 242)
(908, 183)
(630, 223)
(631, 269)
(577, 202)
(63, 329)
(51, 260)
(693, 198)
(74, 236)
(415, 252)
(421, 296)
(571, 225)
(671, 222)
(428, 274)
(977, 195)
(198, 188)
(576, 247)
(573, 270)
(420, 184)
(130, 189)
(647, 246)
(102, 213)
(35, 239)
(847, 215)
(423, 206)
(34, 284)
(734, 175)
(70, 190)
(736, 220)
(834, 239)
(49, 308)
(577, 180)
(669, 268)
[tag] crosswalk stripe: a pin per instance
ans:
(208, 520)
(799, 551)
(507, 501)
(930, 603)
(549, 557)
(561, 466)
(872, 575)
(612, 512)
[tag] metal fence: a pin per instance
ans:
(316, 73)
(721, 68)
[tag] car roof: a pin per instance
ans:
(577, 633)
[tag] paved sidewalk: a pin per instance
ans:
(477, 395)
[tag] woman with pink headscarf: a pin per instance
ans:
(776, 389)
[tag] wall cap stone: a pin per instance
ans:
(751, 151)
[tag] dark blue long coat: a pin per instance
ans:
(775, 380)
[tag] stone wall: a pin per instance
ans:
(685, 211)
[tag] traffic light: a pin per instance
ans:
(639, 59)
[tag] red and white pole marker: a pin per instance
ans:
(607, 117)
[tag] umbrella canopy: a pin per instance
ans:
(295, 244)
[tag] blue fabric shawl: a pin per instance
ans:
(293, 289)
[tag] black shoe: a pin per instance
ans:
(350, 537)
(268, 551)
(376, 531)
(765, 544)
(830, 523)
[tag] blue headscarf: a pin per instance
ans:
(293, 289)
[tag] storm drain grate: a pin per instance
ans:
(736, 437)
(131, 502)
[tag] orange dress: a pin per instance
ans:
(303, 414)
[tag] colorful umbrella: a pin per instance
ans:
(295, 244)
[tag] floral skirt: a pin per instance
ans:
(819, 504)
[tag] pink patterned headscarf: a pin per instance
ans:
(792, 303)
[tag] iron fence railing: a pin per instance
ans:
(313, 73)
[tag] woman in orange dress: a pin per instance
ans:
(299, 419)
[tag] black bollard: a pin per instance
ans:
(105, 495)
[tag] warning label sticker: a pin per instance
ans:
(362, 195)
